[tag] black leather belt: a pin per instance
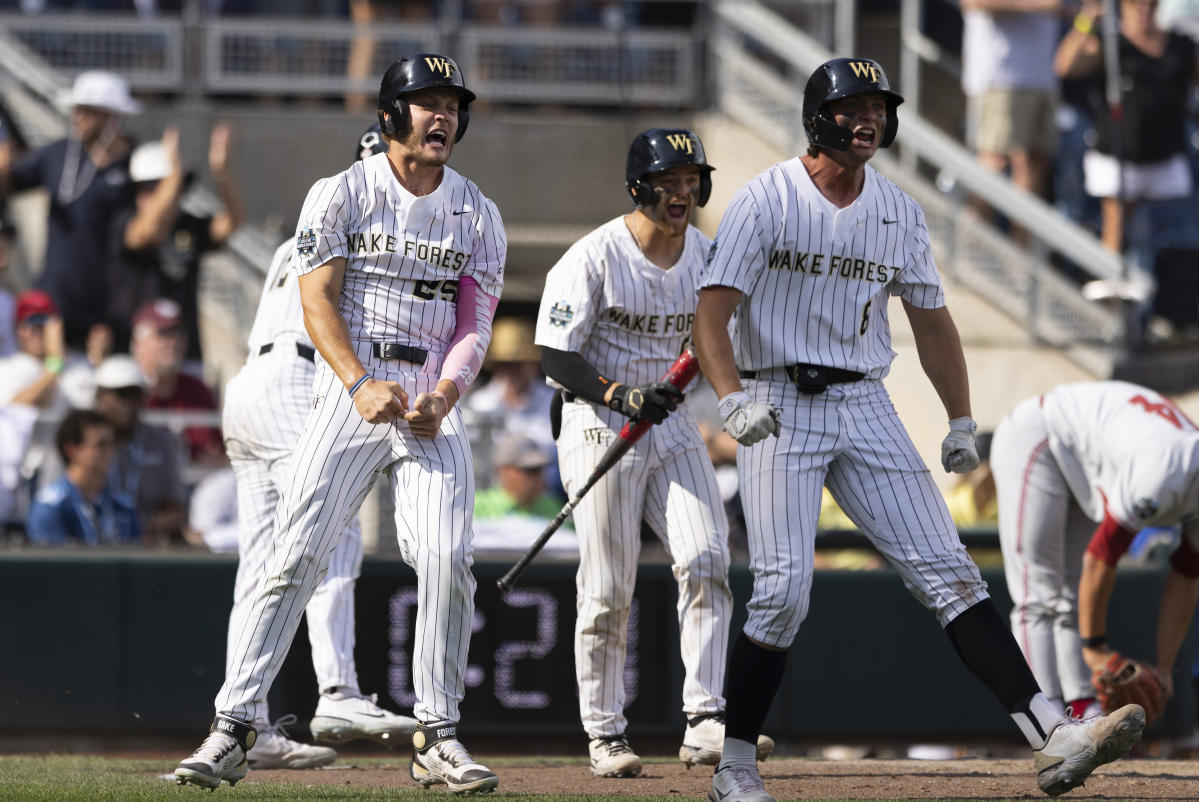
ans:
(302, 351)
(810, 379)
(417, 356)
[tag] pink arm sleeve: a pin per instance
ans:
(471, 335)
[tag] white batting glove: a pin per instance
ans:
(748, 421)
(959, 451)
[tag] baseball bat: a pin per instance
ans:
(680, 374)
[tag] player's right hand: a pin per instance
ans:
(746, 420)
(379, 401)
(651, 401)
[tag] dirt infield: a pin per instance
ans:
(801, 779)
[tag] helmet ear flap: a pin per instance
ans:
(705, 187)
(642, 193)
(397, 120)
(463, 121)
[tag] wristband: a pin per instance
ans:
(361, 381)
(54, 364)
(963, 424)
(1095, 641)
(1084, 24)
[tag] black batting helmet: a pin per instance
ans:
(842, 77)
(409, 74)
(660, 149)
(370, 143)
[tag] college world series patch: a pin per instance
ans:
(306, 242)
(560, 314)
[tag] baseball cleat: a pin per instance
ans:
(738, 784)
(703, 741)
(274, 750)
(613, 757)
(222, 756)
(340, 720)
(438, 757)
(1076, 748)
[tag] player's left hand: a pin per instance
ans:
(424, 419)
(959, 451)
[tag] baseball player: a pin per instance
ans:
(400, 262)
(616, 312)
(266, 405)
(1078, 472)
(806, 256)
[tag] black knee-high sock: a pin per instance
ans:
(752, 680)
(985, 644)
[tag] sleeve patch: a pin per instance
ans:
(306, 242)
(560, 314)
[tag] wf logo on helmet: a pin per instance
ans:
(681, 142)
(864, 69)
(441, 65)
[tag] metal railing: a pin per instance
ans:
(762, 62)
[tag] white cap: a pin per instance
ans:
(119, 371)
(149, 162)
(102, 90)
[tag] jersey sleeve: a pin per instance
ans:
(486, 265)
(29, 170)
(738, 255)
(918, 282)
(569, 304)
(321, 230)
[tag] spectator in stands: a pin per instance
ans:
(212, 511)
(1007, 75)
(8, 305)
(1143, 156)
(515, 398)
(158, 346)
(156, 245)
(80, 509)
(87, 177)
(148, 457)
(34, 380)
(513, 512)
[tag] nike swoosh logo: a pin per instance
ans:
(889, 222)
(464, 211)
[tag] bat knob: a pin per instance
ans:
(503, 585)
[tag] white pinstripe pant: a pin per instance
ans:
(1043, 534)
(675, 489)
(851, 438)
(335, 463)
(266, 405)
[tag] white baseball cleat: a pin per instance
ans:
(222, 756)
(348, 719)
(274, 750)
(703, 741)
(738, 784)
(613, 757)
(438, 757)
(1077, 747)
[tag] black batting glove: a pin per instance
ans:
(651, 401)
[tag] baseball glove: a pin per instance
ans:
(1122, 681)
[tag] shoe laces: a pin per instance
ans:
(616, 745)
(280, 726)
(454, 753)
(215, 747)
(744, 778)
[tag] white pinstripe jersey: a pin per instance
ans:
(405, 254)
(280, 315)
(1126, 446)
(626, 316)
(816, 278)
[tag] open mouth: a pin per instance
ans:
(677, 212)
(438, 138)
(864, 135)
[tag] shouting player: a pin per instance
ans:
(400, 262)
(1108, 453)
(266, 404)
(616, 312)
(807, 255)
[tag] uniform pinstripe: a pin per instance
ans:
(404, 256)
(815, 281)
(631, 319)
(1062, 462)
(266, 405)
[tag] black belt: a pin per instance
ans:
(302, 351)
(417, 356)
(811, 379)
